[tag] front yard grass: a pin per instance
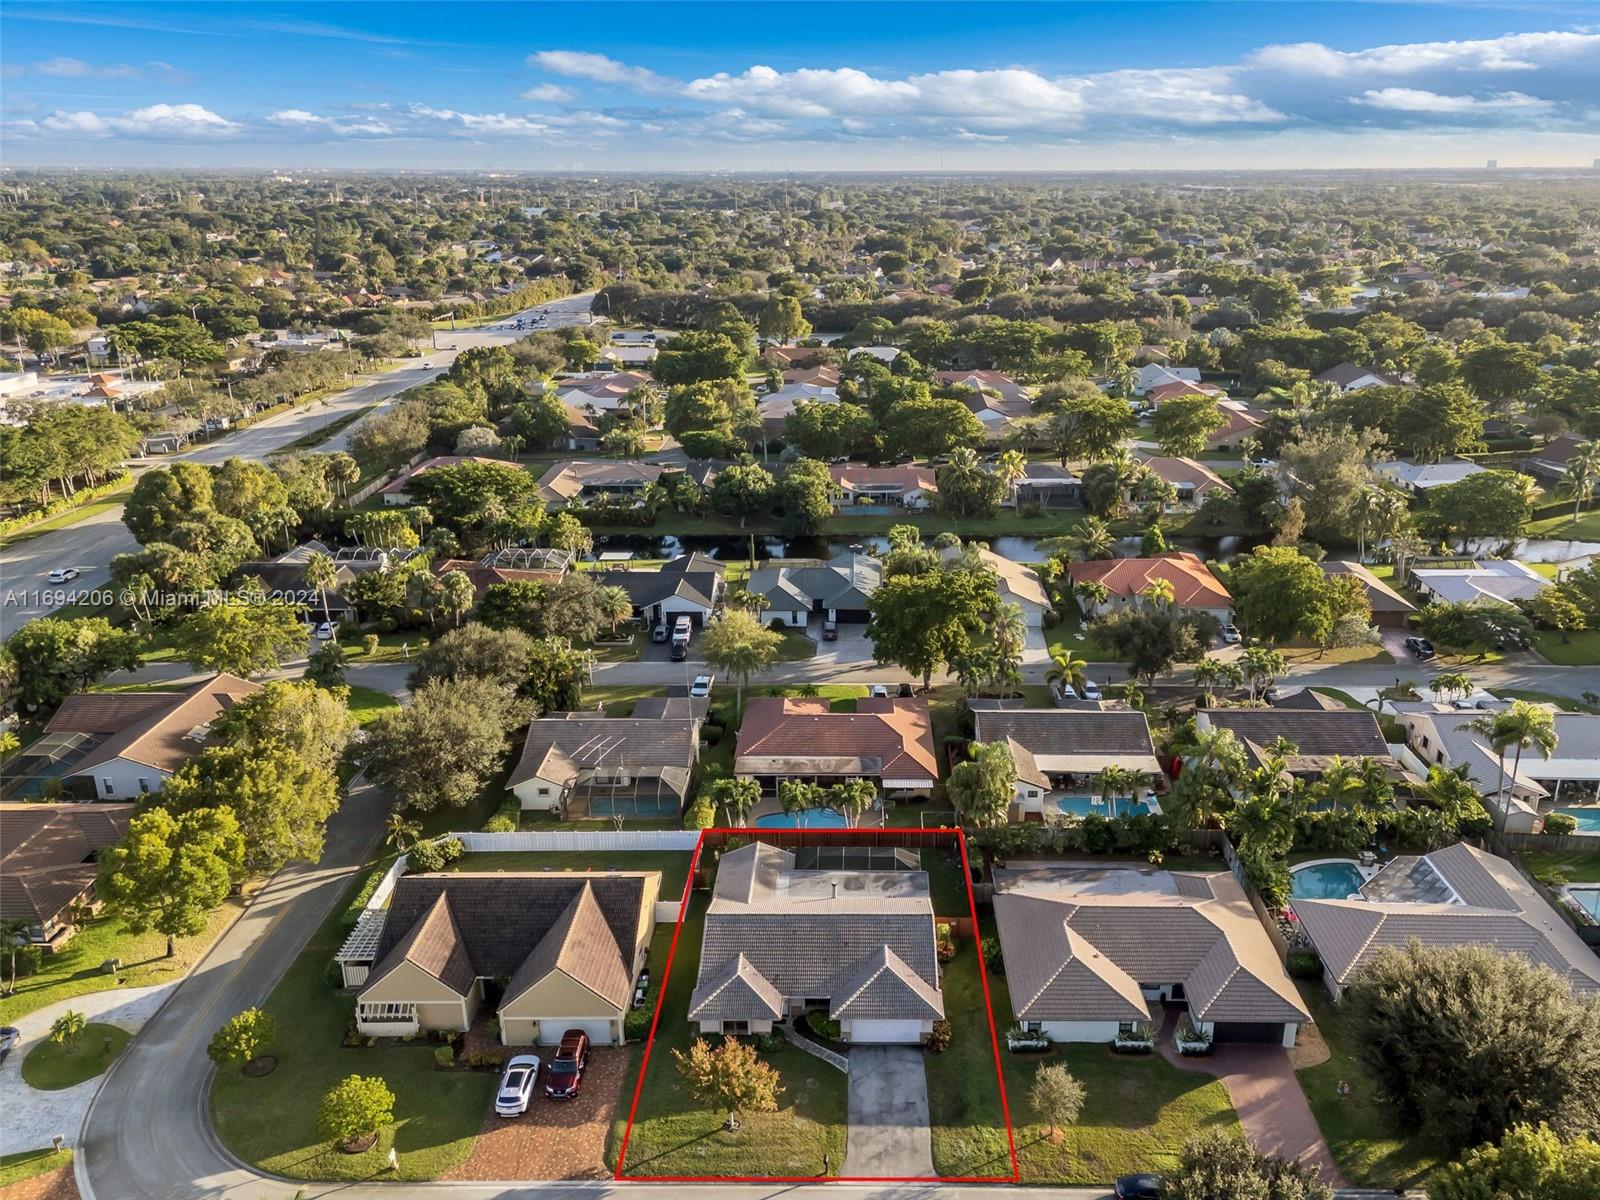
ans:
(271, 1122)
(674, 1135)
(51, 1066)
(1316, 656)
(1564, 703)
(1071, 634)
(75, 969)
(367, 704)
(1368, 1148)
(673, 864)
(1572, 650)
(25, 1164)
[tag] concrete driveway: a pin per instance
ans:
(852, 648)
(888, 1135)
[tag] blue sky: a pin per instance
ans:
(774, 86)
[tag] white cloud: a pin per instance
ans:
(481, 124)
(181, 121)
(597, 68)
(66, 67)
(1416, 100)
(548, 93)
(299, 118)
(1513, 52)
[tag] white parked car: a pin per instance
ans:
(700, 688)
(1090, 690)
(324, 632)
(880, 690)
(1230, 635)
(63, 574)
(516, 1086)
(1263, 464)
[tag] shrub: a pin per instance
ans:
(369, 644)
(486, 1060)
(354, 1108)
(1304, 964)
(992, 957)
(1559, 822)
(636, 1025)
(939, 1037)
(777, 625)
(769, 1043)
(711, 734)
(444, 1057)
(500, 823)
(701, 814)
(433, 856)
(945, 944)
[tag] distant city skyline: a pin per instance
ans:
(821, 86)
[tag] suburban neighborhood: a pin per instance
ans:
(1076, 681)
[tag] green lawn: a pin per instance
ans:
(1578, 868)
(1564, 703)
(25, 1164)
(75, 969)
(673, 864)
(1138, 1113)
(796, 646)
(51, 1066)
(71, 517)
(1344, 698)
(945, 882)
(271, 1122)
(619, 701)
(1365, 1144)
(1563, 528)
(367, 703)
(1070, 633)
(1572, 650)
(674, 1135)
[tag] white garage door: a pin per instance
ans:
(551, 1029)
(886, 1031)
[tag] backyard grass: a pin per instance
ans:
(368, 703)
(25, 1164)
(1563, 528)
(1364, 1141)
(675, 1135)
(51, 1066)
(673, 864)
(1578, 868)
(271, 1122)
(1572, 650)
(75, 969)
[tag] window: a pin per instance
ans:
(544, 791)
(110, 787)
(144, 785)
(1124, 1028)
(1033, 1027)
(736, 1027)
(387, 1010)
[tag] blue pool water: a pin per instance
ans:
(1588, 899)
(1325, 881)
(815, 818)
(1588, 819)
(1083, 806)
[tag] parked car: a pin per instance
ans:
(1263, 464)
(10, 1035)
(905, 691)
(1231, 635)
(1139, 1187)
(516, 1086)
(63, 574)
(830, 630)
(879, 691)
(700, 688)
(1090, 690)
(1420, 647)
(1065, 691)
(659, 632)
(566, 1068)
(324, 631)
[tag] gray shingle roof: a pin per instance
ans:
(562, 745)
(1318, 735)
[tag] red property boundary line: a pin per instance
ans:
(813, 837)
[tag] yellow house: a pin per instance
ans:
(550, 952)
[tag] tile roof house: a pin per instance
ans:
(48, 862)
(586, 764)
(1163, 392)
(1424, 477)
(1319, 736)
(398, 492)
(485, 575)
(782, 940)
(568, 945)
(996, 398)
(1239, 421)
(1457, 896)
(1194, 588)
(1153, 375)
(669, 593)
(1059, 750)
(1551, 460)
(595, 478)
(907, 487)
(1088, 948)
(600, 393)
(1045, 483)
(1389, 608)
(1348, 377)
(775, 408)
(888, 740)
(141, 738)
(1491, 579)
(838, 589)
(1193, 480)
(1017, 583)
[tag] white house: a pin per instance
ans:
(1155, 374)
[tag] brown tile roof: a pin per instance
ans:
(887, 737)
(1193, 586)
(164, 730)
(561, 746)
(1180, 387)
(1382, 597)
(582, 947)
(1186, 470)
(47, 854)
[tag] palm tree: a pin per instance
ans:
(1521, 725)
(400, 832)
(1011, 468)
(1120, 783)
(1066, 668)
(1206, 674)
(1583, 475)
(457, 594)
(1339, 779)
(1091, 593)
(615, 606)
(1094, 540)
(15, 932)
(1405, 546)
(1159, 593)
(320, 574)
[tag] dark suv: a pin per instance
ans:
(1421, 647)
(566, 1068)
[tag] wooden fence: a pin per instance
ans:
(1551, 843)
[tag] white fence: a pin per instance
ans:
(380, 894)
(642, 839)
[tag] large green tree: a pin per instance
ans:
(440, 750)
(170, 871)
(242, 637)
(50, 658)
(920, 622)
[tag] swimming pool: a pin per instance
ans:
(1325, 881)
(1588, 819)
(1083, 806)
(812, 818)
(1586, 898)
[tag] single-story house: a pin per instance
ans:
(670, 593)
(1421, 478)
(785, 357)
(775, 408)
(1489, 579)
(1194, 481)
(49, 861)
(1389, 608)
(781, 940)
(1163, 392)
(602, 392)
(1319, 736)
(838, 589)
(888, 740)
(1153, 375)
(1239, 421)
(1457, 896)
(1550, 462)
(1443, 736)
(398, 492)
(585, 764)
(485, 575)
(582, 434)
(1061, 751)
(1194, 588)
(1088, 948)
(1017, 583)
(568, 947)
(996, 399)
(142, 738)
(1046, 483)
(1348, 377)
(823, 374)
(285, 580)
(596, 478)
(905, 487)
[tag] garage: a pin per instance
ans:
(886, 1032)
(1268, 1033)
(551, 1028)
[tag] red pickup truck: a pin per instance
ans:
(566, 1069)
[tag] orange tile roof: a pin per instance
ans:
(896, 730)
(1193, 586)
